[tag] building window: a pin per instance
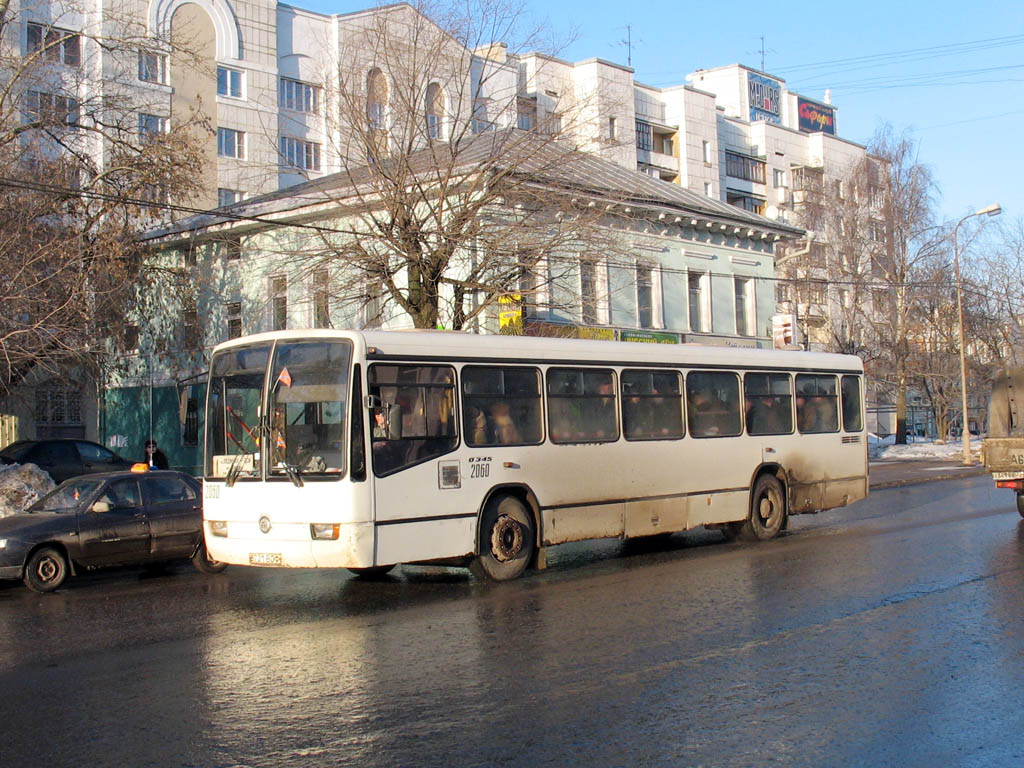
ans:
(434, 108)
(234, 314)
(230, 143)
(699, 301)
(612, 129)
(645, 297)
(376, 98)
(745, 201)
(304, 155)
(130, 338)
(229, 82)
(189, 323)
(644, 136)
(812, 292)
(709, 189)
(152, 67)
(298, 96)
(743, 167)
(667, 146)
(778, 177)
(706, 151)
(58, 413)
(229, 196)
(151, 125)
(321, 299)
(52, 109)
(588, 291)
(279, 302)
(745, 311)
(782, 292)
(60, 45)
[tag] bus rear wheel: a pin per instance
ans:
(767, 510)
(507, 540)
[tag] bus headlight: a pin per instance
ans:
(324, 530)
(3, 543)
(218, 527)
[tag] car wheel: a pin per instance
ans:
(46, 570)
(201, 560)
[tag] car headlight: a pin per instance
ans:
(3, 543)
(218, 527)
(324, 530)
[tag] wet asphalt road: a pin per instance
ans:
(889, 633)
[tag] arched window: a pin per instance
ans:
(434, 109)
(376, 99)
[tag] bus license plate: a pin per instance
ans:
(264, 558)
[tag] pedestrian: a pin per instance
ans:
(155, 457)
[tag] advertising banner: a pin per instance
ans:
(765, 98)
(815, 118)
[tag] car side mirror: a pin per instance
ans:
(100, 507)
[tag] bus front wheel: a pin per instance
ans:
(507, 540)
(767, 510)
(1020, 504)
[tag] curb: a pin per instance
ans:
(930, 478)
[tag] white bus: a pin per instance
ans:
(365, 449)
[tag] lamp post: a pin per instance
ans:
(990, 210)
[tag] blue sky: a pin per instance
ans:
(951, 73)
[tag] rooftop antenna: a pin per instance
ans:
(628, 42)
(762, 52)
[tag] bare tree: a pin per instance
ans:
(85, 167)
(443, 192)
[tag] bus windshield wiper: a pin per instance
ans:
(294, 474)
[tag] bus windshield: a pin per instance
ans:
(308, 396)
(233, 411)
(305, 402)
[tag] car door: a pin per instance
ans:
(175, 515)
(58, 458)
(96, 458)
(121, 533)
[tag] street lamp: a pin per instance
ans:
(989, 210)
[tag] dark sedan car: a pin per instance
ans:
(64, 458)
(117, 518)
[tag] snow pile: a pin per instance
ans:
(21, 485)
(921, 448)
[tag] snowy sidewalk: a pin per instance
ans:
(918, 462)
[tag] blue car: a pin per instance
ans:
(116, 518)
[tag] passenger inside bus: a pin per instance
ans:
(500, 425)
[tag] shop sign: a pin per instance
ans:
(650, 337)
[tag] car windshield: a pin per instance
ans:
(67, 496)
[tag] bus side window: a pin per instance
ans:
(652, 405)
(713, 404)
(852, 420)
(581, 406)
(417, 418)
(768, 399)
(501, 405)
(816, 406)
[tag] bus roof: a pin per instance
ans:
(459, 346)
